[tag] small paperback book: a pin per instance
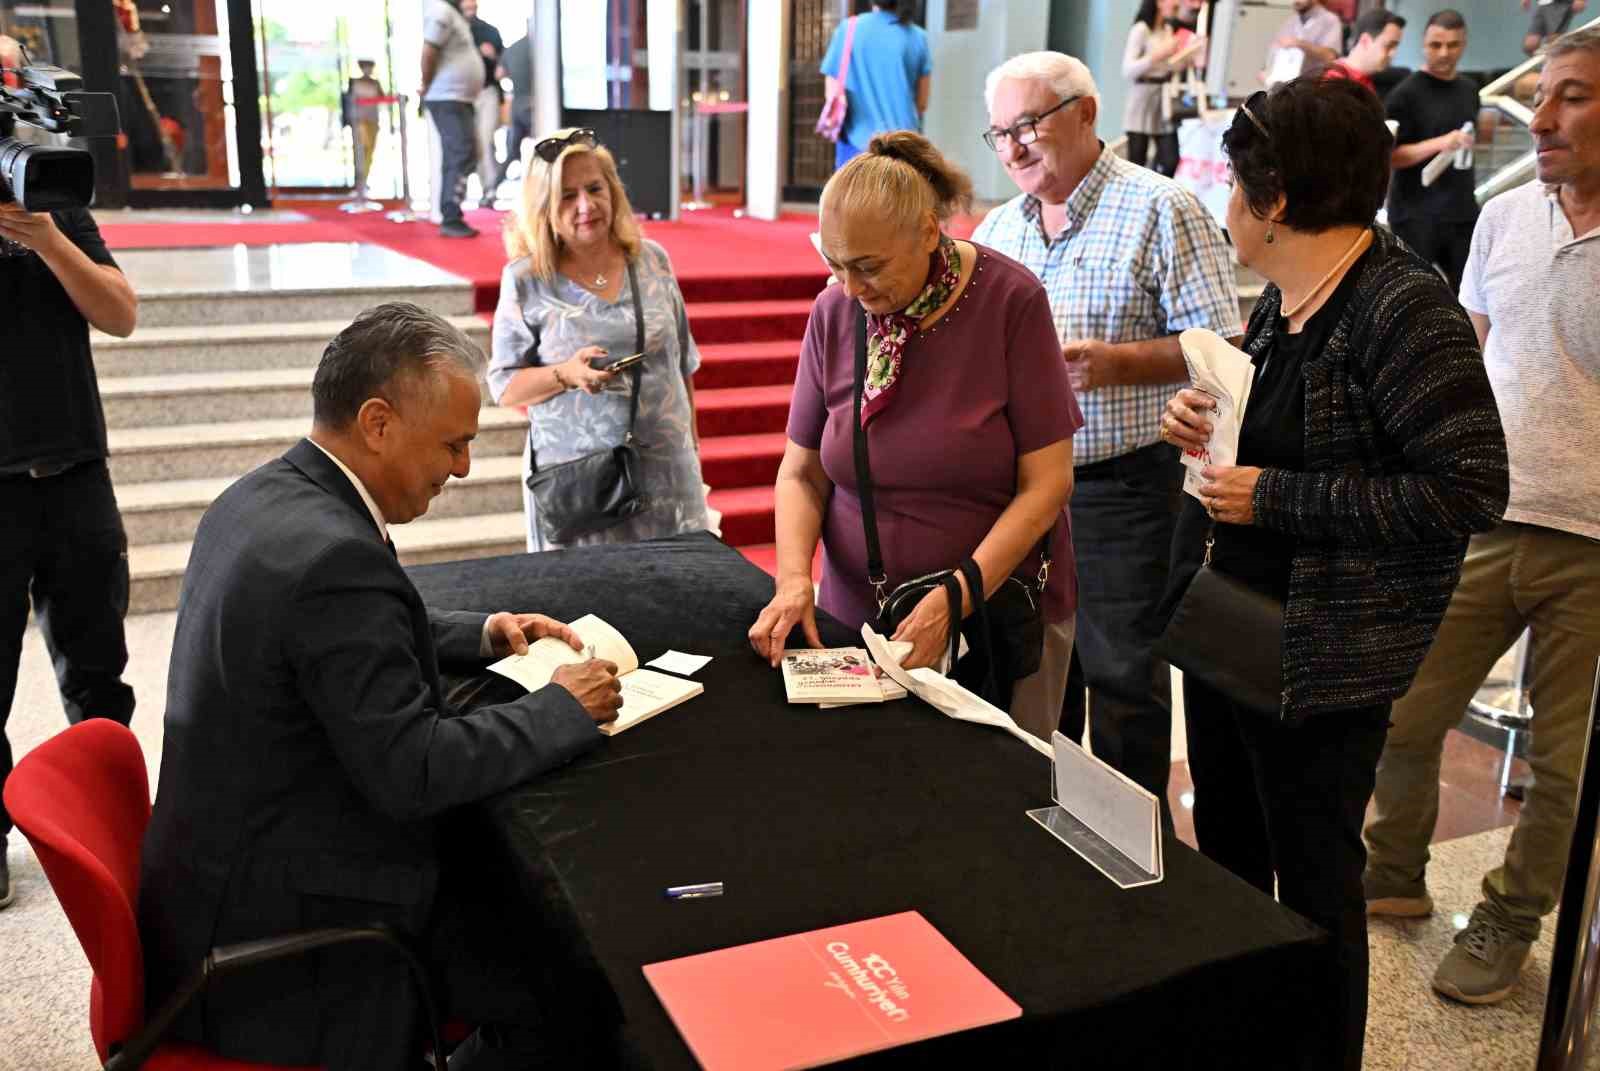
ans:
(816, 998)
(833, 675)
(645, 693)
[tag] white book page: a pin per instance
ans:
(534, 669)
(645, 693)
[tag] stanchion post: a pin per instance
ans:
(1575, 956)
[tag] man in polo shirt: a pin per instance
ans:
(1129, 259)
(1529, 289)
(452, 78)
(1377, 35)
(1431, 108)
(1314, 30)
(61, 537)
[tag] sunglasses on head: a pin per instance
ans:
(1249, 109)
(550, 148)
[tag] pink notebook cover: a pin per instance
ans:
(815, 998)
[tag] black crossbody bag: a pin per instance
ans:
(1228, 635)
(599, 490)
(1005, 634)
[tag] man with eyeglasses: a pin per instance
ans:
(1129, 259)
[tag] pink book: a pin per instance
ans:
(816, 998)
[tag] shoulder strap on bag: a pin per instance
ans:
(633, 373)
(869, 514)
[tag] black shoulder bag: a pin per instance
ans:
(1228, 635)
(1005, 634)
(599, 490)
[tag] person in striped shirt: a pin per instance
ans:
(1128, 259)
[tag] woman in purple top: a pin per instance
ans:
(968, 411)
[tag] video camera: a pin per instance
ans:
(42, 178)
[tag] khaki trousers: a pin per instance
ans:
(1036, 700)
(366, 141)
(1517, 576)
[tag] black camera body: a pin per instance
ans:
(43, 178)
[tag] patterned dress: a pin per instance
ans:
(539, 323)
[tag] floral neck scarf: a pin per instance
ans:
(887, 335)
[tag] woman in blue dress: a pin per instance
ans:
(566, 313)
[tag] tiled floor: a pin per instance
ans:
(44, 980)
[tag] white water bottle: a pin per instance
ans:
(1464, 156)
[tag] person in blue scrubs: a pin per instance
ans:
(888, 80)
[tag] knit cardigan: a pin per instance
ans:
(1405, 458)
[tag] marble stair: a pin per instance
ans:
(217, 378)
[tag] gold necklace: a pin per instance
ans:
(1357, 247)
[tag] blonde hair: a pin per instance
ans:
(901, 177)
(531, 231)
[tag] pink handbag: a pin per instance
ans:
(830, 124)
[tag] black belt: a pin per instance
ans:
(1154, 81)
(1134, 461)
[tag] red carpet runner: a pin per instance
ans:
(748, 286)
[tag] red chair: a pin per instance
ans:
(82, 799)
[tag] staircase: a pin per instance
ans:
(217, 380)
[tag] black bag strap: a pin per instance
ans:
(980, 609)
(869, 514)
(634, 372)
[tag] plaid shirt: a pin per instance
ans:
(1139, 258)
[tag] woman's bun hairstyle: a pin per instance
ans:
(952, 189)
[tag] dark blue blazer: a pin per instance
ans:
(308, 758)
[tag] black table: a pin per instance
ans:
(815, 818)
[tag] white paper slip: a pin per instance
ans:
(684, 665)
(646, 693)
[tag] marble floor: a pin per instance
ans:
(44, 979)
(317, 266)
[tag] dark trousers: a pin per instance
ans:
(1272, 801)
(62, 543)
(521, 130)
(1446, 243)
(458, 144)
(1124, 510)
(1166, 162)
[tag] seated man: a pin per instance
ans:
(310, 760)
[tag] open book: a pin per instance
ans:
(645, 693)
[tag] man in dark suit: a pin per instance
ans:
(310, 761)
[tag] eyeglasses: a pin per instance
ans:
(550, 148)
(1024, 131)
(1248, 109)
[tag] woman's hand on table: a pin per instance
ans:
(1186, 423)
(793, 604)
(577, 370)
(927, 629)
(1229, 491)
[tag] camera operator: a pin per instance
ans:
(60, 534)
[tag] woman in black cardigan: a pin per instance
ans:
(1371, 449)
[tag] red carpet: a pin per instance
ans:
(748, 285)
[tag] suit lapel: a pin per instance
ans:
(320, 470)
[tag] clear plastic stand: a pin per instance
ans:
(1112, 823)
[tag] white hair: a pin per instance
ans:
(1067, 77)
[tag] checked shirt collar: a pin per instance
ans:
(1082, 202)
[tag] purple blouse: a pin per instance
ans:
(983, 385)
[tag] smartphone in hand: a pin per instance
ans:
(622, 364)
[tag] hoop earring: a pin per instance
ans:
(1272, 233)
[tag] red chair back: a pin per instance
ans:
(82, 799)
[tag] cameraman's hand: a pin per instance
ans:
(594, 684)
(36, 230)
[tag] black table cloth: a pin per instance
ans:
(814, 818)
